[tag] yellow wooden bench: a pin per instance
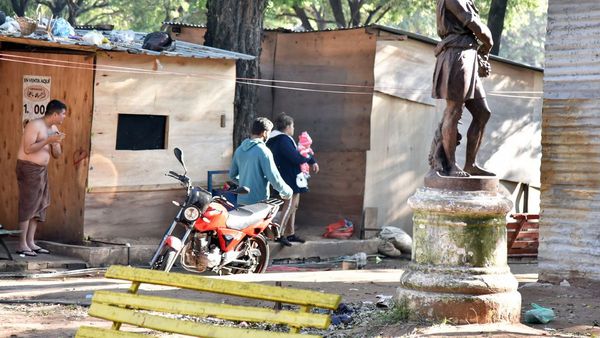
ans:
(4, 233)
(126, 308)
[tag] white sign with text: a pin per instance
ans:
(36, 95)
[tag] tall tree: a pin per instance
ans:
(76, 8)
(56, 6)
(19, 6)
(496, 22)
(337, 13)
(237, 28)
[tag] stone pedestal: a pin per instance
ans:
(459, 268)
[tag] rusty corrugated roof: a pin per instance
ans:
(182, 49)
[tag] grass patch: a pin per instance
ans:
(399, 312)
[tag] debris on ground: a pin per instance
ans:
(565, 283)
(384, 301)
(342, 229)
(539, 315)
(399, 239)
(388, 249)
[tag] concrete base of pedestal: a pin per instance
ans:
(461, 295)
(463, 308)
(459, 270)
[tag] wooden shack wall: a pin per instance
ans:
(188, 34)
(68, 175)
(339, 124)
(569, 225)
(129, 195)
(404, 118)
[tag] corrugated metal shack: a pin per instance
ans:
(570, 226)
(373, 148)
(108, 184)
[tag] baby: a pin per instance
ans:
(304, 143)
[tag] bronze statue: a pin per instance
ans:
(462, 59)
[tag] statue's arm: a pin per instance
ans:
(471, 20)
(483, 34)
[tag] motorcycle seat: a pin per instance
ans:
(245, 216)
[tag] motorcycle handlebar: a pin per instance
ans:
(180, 178)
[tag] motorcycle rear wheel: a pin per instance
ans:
(259, 253)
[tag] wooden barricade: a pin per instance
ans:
(126, 308)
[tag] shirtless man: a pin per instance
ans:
(41, 138)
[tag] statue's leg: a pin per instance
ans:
(452, 115)
(481, 114)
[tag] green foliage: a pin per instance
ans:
(147, 15)
(522, 40)
(6, 8)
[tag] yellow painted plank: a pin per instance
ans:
(96, 332)
(227, 287)
(303, 309)
(135, 286)
(204, 309)
(181, 326)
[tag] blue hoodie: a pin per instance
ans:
(253, 167)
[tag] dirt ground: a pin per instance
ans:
(577, 307)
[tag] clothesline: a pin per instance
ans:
(241, 80)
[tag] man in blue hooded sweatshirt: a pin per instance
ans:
(253, 166)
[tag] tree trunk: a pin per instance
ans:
(355, 6)
(73, 11)
(301, 14)
(496, 22)
(338, 12)
(238, 28)
(19, 6)
(57, 7)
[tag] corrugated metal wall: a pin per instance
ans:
(570, 217)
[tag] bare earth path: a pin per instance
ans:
(577, 308)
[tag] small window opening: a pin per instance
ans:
(141, 132)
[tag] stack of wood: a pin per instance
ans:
(523, 235)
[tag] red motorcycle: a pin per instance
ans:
(217, 236)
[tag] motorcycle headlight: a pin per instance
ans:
(191, 214)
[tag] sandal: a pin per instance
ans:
(26, 253)
(41, 251)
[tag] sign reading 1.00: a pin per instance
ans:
(36, 95)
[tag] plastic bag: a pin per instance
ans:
(388, 249)
(93, 38)
(62, 28)
(400, 239)
(342, 229)
(539, 315)
(10, 25)
(122, 36)
(2, 17)
(158, 41)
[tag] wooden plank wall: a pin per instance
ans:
(404, 119)
(267, 62)
(127, 183)
(267, 71)
(397, 161)
(338, 123)
(188, 34)
(68, 175)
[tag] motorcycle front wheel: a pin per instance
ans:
(166, 260)
(258, 256)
